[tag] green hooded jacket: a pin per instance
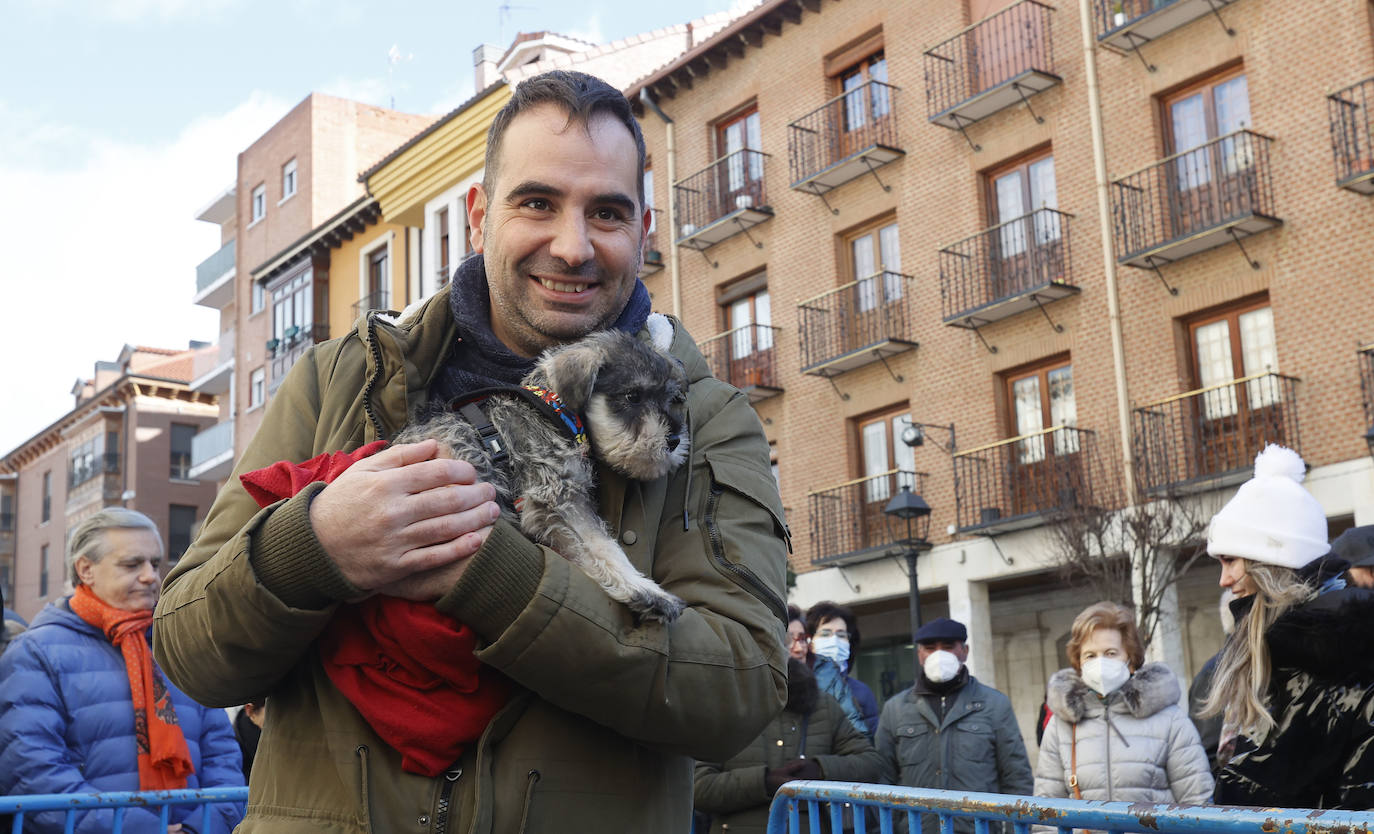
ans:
(608, 712)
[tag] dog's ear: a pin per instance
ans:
(661, 331)
(571, 370)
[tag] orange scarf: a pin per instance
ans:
(164, 761)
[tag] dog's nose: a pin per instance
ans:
(673, 440)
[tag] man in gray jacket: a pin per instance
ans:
(949, 731)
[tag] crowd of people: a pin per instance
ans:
(401, 657)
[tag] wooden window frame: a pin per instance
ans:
(735, 116)
(1207, 84)
(871, 226)
(1230, 313)
(1040, 368)
(853, 53)
(1020, 162)
(856, 437)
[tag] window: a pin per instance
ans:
(259, 297)
(1042, 398)
(881, 452)
(1234, 344)
(441, 230)
(747, 312)
(259, 205)
(6, 512)
(872, 251)
(293, 309)
(256, 387)
(649, 197)
(379, 278)
(741, 179)
(1208, 179)
(1027, 247)
(47, 497)
(288, 179)
(42, 571)
(181, 520)
(6, 582)
(85, 461)
(181, 435)
(864, 107)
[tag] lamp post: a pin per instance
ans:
(909, 513)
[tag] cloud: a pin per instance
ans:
(135, 11)
(105, 251)
(590, 31)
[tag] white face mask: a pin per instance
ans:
(941, 666)
(831, 648)
(1105, 675)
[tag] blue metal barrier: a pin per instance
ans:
(827, 800)
(120, 801)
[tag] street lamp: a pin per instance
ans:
(909, 513)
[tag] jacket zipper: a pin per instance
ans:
(441, 810)
(372, 380)
(756, 586)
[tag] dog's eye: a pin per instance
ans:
(632, 397)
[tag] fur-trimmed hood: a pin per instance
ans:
(1152, 688)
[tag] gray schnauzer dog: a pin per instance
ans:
(633, 397)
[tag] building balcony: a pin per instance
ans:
(286, 350)
(85, 469)
(212, 371)
(215, 279)
(746, 358)
(1208, 438)
(376, 300)
(1125, 25)
(212, 452)
(862, 322)
(653, 254)
(1352, 135)
(1366, 358)
(1025, 481)
(1010, 268)
(997, 62)
(7, 544)
(848, 525)
(851, 135)
(1217, 193)
(724, 199)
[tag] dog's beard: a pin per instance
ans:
(638, 451)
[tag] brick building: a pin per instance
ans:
(876, 219)
(294, 178)
(126, 442)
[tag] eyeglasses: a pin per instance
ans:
(842, 634)
(799, 640)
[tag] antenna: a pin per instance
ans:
(503, 11)
(394, 57)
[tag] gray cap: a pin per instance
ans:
(1356, 546)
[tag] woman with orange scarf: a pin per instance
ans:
(84, 708)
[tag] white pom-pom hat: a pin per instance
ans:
(1272, 518)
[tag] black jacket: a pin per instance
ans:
(1320, 753)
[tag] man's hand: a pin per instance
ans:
(774, 778)
(403, 512)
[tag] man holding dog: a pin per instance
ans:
(594, 716)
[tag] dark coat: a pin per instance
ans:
(1320, 753)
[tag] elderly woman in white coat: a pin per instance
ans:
(1118, 732)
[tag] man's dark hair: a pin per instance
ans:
(827, 610)
(581, 96)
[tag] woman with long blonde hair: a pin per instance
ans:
(1295, 682)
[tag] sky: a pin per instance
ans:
(120, 119)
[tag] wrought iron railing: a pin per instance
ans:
(862, 313)
(375, 300)
(848, 519)
(850, 122)
(214, 267)
(7, 521)
(1004, 261)
(993, 51)
(1352, 130)
(1214, 432)
(1366, 356)
(294, 342)
(1110, 15)
(745, 357)
(1193, 191)
(1031, 475)
(733, 182)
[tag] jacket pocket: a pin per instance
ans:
(916, 745)
(737, 492)
(973, 741)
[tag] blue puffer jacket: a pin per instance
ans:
(67, 726)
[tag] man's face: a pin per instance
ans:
(126, 577)
(1362, 577)
(958, 648)
(562, 232)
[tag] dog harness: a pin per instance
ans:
(544, 400)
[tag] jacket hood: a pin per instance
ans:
(1152, 688)
(1329, 637)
